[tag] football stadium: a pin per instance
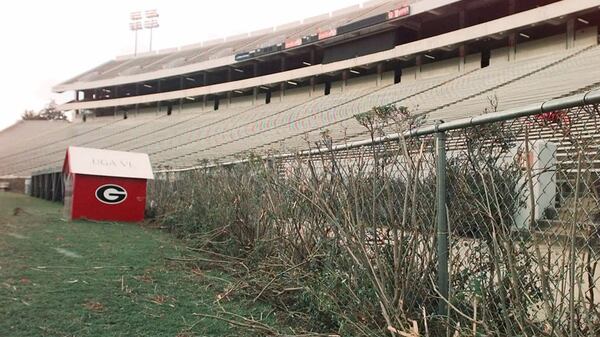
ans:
(403, 168)
(272, 89)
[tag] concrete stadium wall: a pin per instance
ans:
(297, 93)
(336, 87)
(540, 47)
(472, 62)
(536, 48)
(387, 78)
(457, 37)
(192, 107)
(440, 68)
(242, 101)
(319, 90)
(275, 96)
(409, 74)
(362, 82)
(586, 37)
(526, 50)
(499, 55)
(16, 184)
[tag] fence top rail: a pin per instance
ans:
(589, 97)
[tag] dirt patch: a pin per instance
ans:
(94, 306)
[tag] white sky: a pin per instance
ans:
(47, 42)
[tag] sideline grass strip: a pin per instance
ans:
(81, 278)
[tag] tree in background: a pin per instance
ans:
(49, 112)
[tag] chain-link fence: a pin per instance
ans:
(489, 230)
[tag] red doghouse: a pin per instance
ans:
(105, 185)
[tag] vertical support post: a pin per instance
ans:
(47, 187)
(158, 89)
(282, 84)
(380, 68)
(313, 79)
(137, 92)
(570, 33)
(229, 78)
(37, 186)
(512, 46)
(204, 83)
(53, 196)
(33, 185)
(254, 95)
(136, 40)
(442, 222)
(462, 50)
(255, 89)
(345, 75)
(181, 85)
(512, 37)
(61, 179)
(57, 187)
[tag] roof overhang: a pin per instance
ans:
(416, 8)
(513, 22)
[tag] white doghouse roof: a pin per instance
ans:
(108, 163)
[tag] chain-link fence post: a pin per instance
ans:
(442, 222)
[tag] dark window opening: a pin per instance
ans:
(485, 58)
(397, 75)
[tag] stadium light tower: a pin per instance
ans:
(151, 22)
(135, 25)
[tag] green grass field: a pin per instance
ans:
(61, 278)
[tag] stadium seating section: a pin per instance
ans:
(193, 135)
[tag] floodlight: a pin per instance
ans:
(151, 13)
(135, 16)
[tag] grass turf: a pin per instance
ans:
(81, 278)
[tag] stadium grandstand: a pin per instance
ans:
(279, 88)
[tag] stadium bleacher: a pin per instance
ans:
(441, 89)
(230, 132)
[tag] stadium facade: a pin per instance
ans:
(279, 88)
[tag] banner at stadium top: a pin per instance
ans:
(398, 13)
(325, 34)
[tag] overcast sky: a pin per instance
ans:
(47, 42)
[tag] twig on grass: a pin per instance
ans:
(253, 325)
